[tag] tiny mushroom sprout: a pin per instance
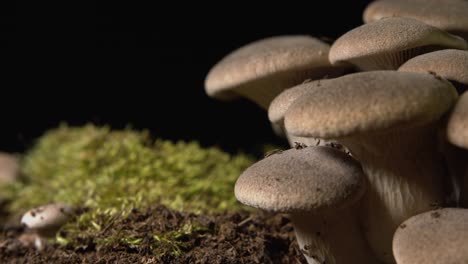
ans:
(387, 43)
(46, 220)
(450, 64)
(438, 236)
(448, 15)
(262, 69)
(457, 134)
(319, 188)
(388, 120)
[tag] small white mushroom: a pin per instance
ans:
(46, 220)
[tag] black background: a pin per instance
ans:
(144, 65)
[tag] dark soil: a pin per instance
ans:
(242, 237)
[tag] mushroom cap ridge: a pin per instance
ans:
(370, 101)
(447, 15)
(312, 179)
(450, 64)
(390, 35)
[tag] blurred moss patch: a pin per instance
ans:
(109, 173)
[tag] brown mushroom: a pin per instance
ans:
(388, 120)
(318, 187)
(262, 69)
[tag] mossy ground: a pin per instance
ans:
(118, 180)
(161, 235)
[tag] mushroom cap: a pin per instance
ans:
(388, 36)
(278, 58)
(312, 179)
(9, 168)
(281, 103)
(451, 64)
(448, 15)
(370, 102)
(438, 236)
(48, 217)
(457, 127)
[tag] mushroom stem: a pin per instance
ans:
(457, 159)
(464, 185)
(406, 177)
(331, 239)
(39, 243)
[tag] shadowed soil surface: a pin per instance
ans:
(161, 235)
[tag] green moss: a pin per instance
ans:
(112, 172)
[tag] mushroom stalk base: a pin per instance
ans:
(406, 177)
(458, 162)
(332, 239)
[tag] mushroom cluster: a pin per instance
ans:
(384, 111)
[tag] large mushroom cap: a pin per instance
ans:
(388, 43)
(274, 63)
(451, 64)
(449, 15)
(457, 127)
(439, 236)
(47, 218)
(370, 101)
(313, 179)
